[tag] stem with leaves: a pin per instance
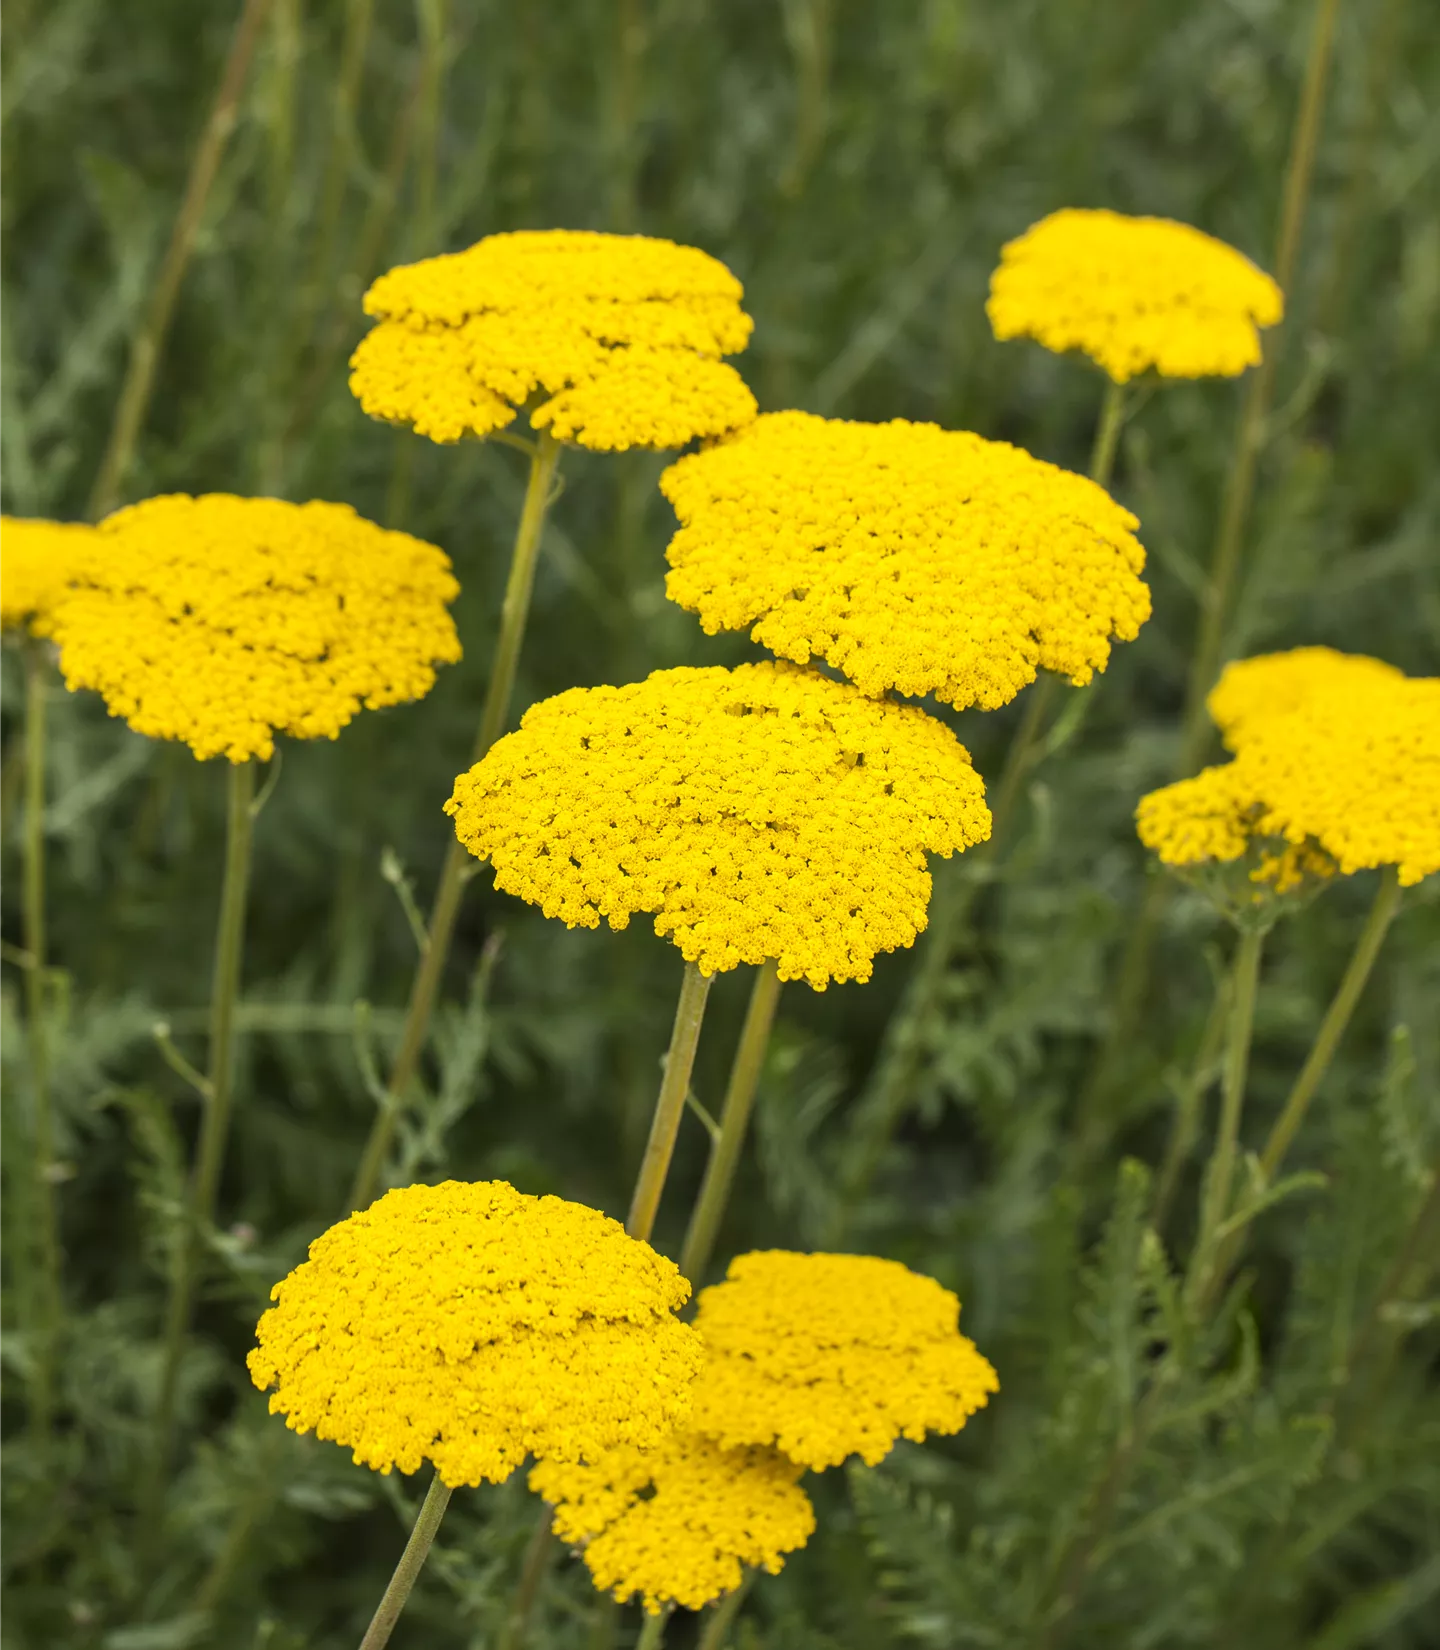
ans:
(544, 456)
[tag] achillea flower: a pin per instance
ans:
(1336, 755)
(679, 1523)
(1132, 294)
(826, 1356)
(912, 558)
(221, 621)
(39, 560)
(622, 334)
(471, 1325)
(764, 812)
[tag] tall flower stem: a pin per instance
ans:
(1220, 1172)
(47, 1316)
(721, 1617)
(150, 339)
(458, 862)
(412, 1560)
(734, 1120)
(653, 1632)
(1337, 1017)
(903, 1051)
(216, 1095)
(670, 1103)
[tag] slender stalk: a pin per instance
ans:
(215, 1122)
(412, 1560)
(1107, 433)
(493, 717)
(1220, 1173)
(1259, 392)
(48, 1313)
(652, 1632)
(670, 1104)
(734, 1120)
(150, 340)
(1337, 1017)
(721, 1617)
(1185, 1123)
(538, 1551)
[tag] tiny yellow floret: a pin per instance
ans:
(222, 621)
(619, 335)
(471, 1325)
(763, 812)
(678, 1524)
(827, 1356)
(911, 558)
(1133, 294)
(39, 561)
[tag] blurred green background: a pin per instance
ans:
(858, 164)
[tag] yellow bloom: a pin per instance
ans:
(763, 812)
(621, 334)
(221, 621)
(679, 1523)
(1133, 293)
(910, 557)
(471, 1325)
(38, 562)
(826, 1356)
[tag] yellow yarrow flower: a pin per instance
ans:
(1133, 294)
(763, 812)
(827, 1356)
(911, 558)
(39, 560)
(221, 621)
(678, 1524)
(471, 1325)
(621, 335)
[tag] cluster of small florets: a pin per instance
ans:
(809, 1359)
(470, 1325)
(911, 558)
(1336, 770)
(221, 621)
(1133, 294)
(39, 562)
(621, 335)
(763, 812)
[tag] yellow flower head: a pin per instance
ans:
(471, 1325)
(621, 334)
(826, 1356)
(910, 557)
(39, 560)
(1348, 754)
(1133, 293)
(678, 1524)
(764, 812)
(222, 621)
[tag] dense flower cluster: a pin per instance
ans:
(39, 560)
(1133, 293)
(471, 1325)
(621, 334)
(221, 621)
(678, 1524)
(764, 812)
(912, 558)
(1336, 756)
(826, 1356)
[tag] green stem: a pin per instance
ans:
(1255, 408)
(652, 1632)
(412, 1560)
(532, 1572)
(1337, 1017)
(670, 1104)
(215, 1120)
(1220, 1173)
(458, 862)
(721, 1617)
(1185, 1123)
(48, 1313)
(150, 340)
(734, 1120)
(1107, 433)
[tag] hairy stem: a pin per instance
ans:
(734, 1120)
(493, 717)
(670, 1104)
(412, 1561)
